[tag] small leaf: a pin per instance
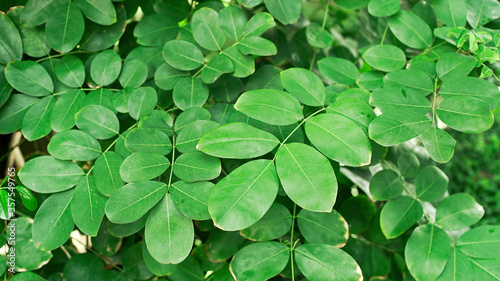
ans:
(169, 234)
(166, 76)
(485, 269)
(207, 30)
(258, 46)
(480, 12)
(221, 245)
(326, 228)
(99, 11)
(275, 223)
(106, 173)
(11, 47)
(409, 79)
(452, 65)
(189, 116)
(98, 121)
(196, 166)
(30, 78)
(431, 184)
(133, 74)
(28, 199)
(156, 30)
(74, 145)
(270, 106)
(13, 111)
(37, 12)
(190, 92)
(411, 30)
(106, 67)
(70, 70)
(480, 242)
(142, 102)
(259, 261)
(351, 147)
(439, 144)
(188, 138)
(191, 198)
(36, 121)
(217, 66)
(317, 36)
(466, 114)
(392, 99)
(148, 140)
(385, 57)
(457, 267)
(358, 111)
(338, 70)
(244, 196)
(320, 262)
(46, 174)
(87, 207)
(142, 166)
(408, 165)
(258, 24)
(383, 8)
(396, 127)
(471, 87)
(398, 215)
(386, 184)
(304, 85)
(182, 55)
(452, 14)
(458, 211)
(53, 223)
(243, 65)
(130, 202)
(426, 252)
(232, 20)
(286, 13)
(153, 265)
(307, 177)
(64, 27)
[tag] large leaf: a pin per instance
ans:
(393, 128)
(99, 11)
(452, 13)
(351, 147)
(471, 87)
(466, 114)
(286, 13)
(142, 166)
(207, 30)
(87, 207)
(439, 144)
(410, 79)
(304, 85)
(106, 172)
(188, 138)
(358, 111)
(452, 65)
(46, 174)
(338, 70)
(411, 30)
(74, 145)
(153, 265)
(260, 261)
(12, 112)
(327, 228)
(182, 55)
(11, 48)
(485, 269)
(148, 140)
(244, 196)
(232, 20)
(398, 215)
(481, 242)
(392, 99)
(458, 211)
(307, 177)
(426, 252)
(270, 106)
(169, 234)
(98, 121)
(33, 38)
(36, 121)
(65, 27)
(132, 201)
(385, 57)
(53, 223)
(319, 262)
(237, 140)
(30, 78)
(37, 12)
(67, 105)
(480, 12)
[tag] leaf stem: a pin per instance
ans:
(172, 163)
(434, 93)
(313, 59)
(61, 55)
(385, 33)
(325, 17)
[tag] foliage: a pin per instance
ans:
(248, 140)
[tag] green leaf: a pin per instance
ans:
(466, 114)
(270, 106)
(358, 111)
(386, 184)
(169, 234)
(326, 228)
(258, 46)
(53, 222)
(304, 85)
(398, 215)
(148, 140)
(127, 229)
(5, 88)
(457, 268)
(451, 13)
(217, 66)
(485, 269)
(385, 57)
(106, 173)
(188, 138)
(471, 87)
(36, 12)
(11, 47)
(207, 30)
(411, 30)
(30, 78)
(266, 77)
(142, 102)
(70, 70)
(338, 70)
(458, 211)
(258, 24)
(191, 198)
(74, 145)
(408, 165)
(83, 266)
(275, 223)
(36, 121)
(409, 79)
(28, 256)
(286, 13)
(101, 96)
(189, 116)
(250, 3)
(64, 27)
(317, 36)
(232, 20)
(426, 252)
(133, 74)
(190, 92)
(98, 121)
(13, 111)
(319, 262)
(221, 245)
(452, 65)
(244, 196)
(358, 211)
(431, 184)
(87, 207)
(182, 55)
(243, 65)
(307, 177)
(130, 202)
(143, 166)
(259, 261)
(238, 141)
(351, 147)
(392, 99)
(439, 144)
(46, 174)
(383, 8)
(28, 199)
(106, 67)
(99, 11)
(156, 30)
(396, 127)
(196, 166)
(26, 276)
(481, 242)
(480, 12)
(154, 266)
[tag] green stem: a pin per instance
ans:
(61, 55)
(385, 33)
(434, 93)
(313, 59)
(172, 163)
(325, 17)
